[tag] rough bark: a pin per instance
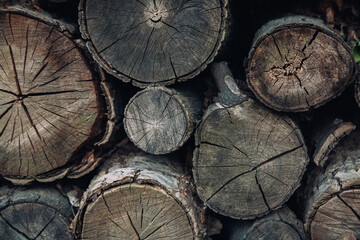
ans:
(281, 224)
(242, 152)
(153, 42)
(332, 195)
(137, 196)
(160, 120)
(36, 213)
(50, 103)
(297, 63)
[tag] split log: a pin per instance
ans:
(34, 213)
(248, 159)
(138, 196)
(332, 196)
(160, 120)
(153, 42)
(297, 63)
(50, 103)
(280, 224)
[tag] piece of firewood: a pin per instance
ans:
(297, 63)
(153, 42)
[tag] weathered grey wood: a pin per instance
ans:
(34, 213)
(297, 63)
(153, 42)
(138, 196)
(160, 120)
(332, 196)
(248, 159)
(50, 103)
(281, 224)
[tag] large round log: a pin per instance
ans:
(34, 213)
(332, 195)
(50, 104)
(160, 120)
(248, 159)
(137, 196)
(297, 63)
(153, 42)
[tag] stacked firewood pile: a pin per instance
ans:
(179, 119)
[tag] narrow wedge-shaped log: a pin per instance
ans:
(50, 105)
(153, 42)
(160, 120)
(279, 224)
(297, 63)
(34, 213)
(137, 196)
(332, 196)
(248, 159)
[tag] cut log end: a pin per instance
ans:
(149, 42)
(298, 64)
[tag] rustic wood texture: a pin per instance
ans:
(332, 196)
(49, 100)
(36, 213)
(281, 224)
(160, 120)
(297, 63)
(137, 196)
(150, 42)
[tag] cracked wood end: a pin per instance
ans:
(50, 104)
(160, 120)
(138, 196)
(332, 196)
(279, 224)
(36, 213)
(297, 63)
(153, 42)
(248, 159)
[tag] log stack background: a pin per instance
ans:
(264, 138)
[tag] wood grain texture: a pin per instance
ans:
(49, 104)
(153, 42)
(160, 120)
(297, 63)
(138, 196)
(37, 213)
(248, 160)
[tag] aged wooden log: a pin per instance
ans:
(297, 63)
(34, 213)
(248, 159)
(50, 103)
(153, 42)
(332, 196)
(160, 120)
(138, 196)
(279, 224)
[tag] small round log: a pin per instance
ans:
(50, 104)
(137, 196)
(36, 213)
(153, 42)
(160, 120)
(297, 63)
(279, 224)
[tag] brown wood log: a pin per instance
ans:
(34, 213)
(279, 224)
(153, 42)
(332, 195)
(297, 63)
(160, 120)
(138, 196)
(248, 159)
(50, 103)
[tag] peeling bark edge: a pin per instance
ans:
(85, 35)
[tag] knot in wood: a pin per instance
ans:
(156, 16)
